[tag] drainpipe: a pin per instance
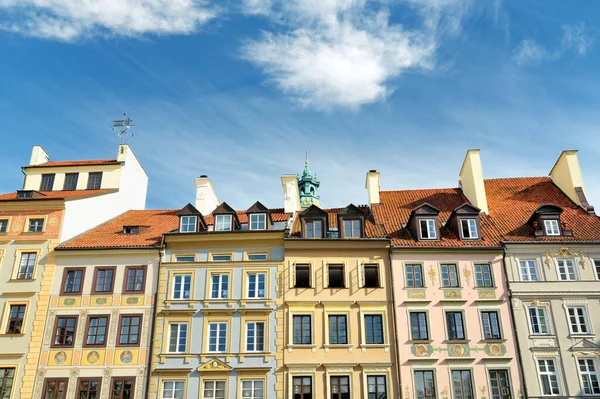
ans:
(153, 321)
(396, 346)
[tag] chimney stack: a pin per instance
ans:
(291, 194)
(566, 174)
(372, 186)
(471, 180)
(38, 156)
(206, 198)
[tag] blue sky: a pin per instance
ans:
(239, 90)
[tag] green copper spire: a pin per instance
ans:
(308, 186)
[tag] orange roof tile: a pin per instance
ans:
(153, 224)
(396, 206)
(53, 195)
(91, 162)
(372, 230)
(512, 201)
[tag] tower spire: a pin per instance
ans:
(306, 159)
(308, 184)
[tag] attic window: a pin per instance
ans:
(352, 228)
(223, 223)
(24, 194)
(469, 228)
(130, 230)
(313, 229)
(552, 227)
(188, 224)
(258, 221)
(427, 227)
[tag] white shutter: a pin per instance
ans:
(325, 275)
(361, 274)
(346, 275)
(292, 274)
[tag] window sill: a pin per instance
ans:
(494, 341)
(367, 346)
(21, 280)
(486, 288)
(457, 341)
(579, 336)
(534, 336)
(338, 346)
(420, 341)
(12, 335)
(374, 287)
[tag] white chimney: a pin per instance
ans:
(206, 198)
(471, 180)
(372, 186)
(123, 152)
(291, 194)
(38, 156)
(566, 174)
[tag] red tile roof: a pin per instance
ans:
(372, 230)
(53, 195)
(153, 223)
(91, 162)
(512, 202)
(396, 206)
(277, 214)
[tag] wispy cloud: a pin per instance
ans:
(529, 52)
(68, 20)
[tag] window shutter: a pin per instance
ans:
(292, 275)
(346, 279)
(380, 273)
(325, 275)
(361, 274)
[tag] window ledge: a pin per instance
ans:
(338, 345)
(420, 341)
(21, 280)
(578, 336)
(451, 288)
(457, 341)
(491, 341)
(367, 346)
(534, 336)
(12, 335)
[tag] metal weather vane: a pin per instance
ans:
(123, 125)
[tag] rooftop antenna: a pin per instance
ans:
(123, 126)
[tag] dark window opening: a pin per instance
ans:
(71, 181)
(371, 276)
(302, 276)
(336, 276)
(47, 182)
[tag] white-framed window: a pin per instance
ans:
(219, 286)
(223, 223)
(469, 228)
(221, 258)
(257, 285)
(182, 284)
(566, 270)
(255, 336)
(552, 228)
(538, 320)
(217, 337)
(588, 374)
(578, 320)
(258, 221)
(597, 267)
(36, 225)
(253, 389)
(548, 377)
(214, 389)
(428, 230)
(257, 256)
(528, 270)
(188, 224)
(178, 333)
(185, 258)
(173, 390)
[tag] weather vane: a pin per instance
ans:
(123, 126)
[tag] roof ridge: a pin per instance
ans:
(519, 177)
(419, 189)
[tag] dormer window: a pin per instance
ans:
(188, 224)
(546, 222)
(552, 227)
(223, 223)
(258, 221)
(427, 229)
(313, 229)
(131, 230)
(24, 194)
(352, 228)
(469, 228)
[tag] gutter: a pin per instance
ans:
(394, 321)
(153, 320)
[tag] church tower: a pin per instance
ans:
(308, 184)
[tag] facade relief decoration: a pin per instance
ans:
(39, 382)
(422, 350)
(467, 275)
(458, 350)
(214, 365)
(112, 336)
(565, 253)
(432, 275)
(49, 327)
(106, 383)
(60, 357)
(72, 382)
(495, 349)
(93, 357)
(416, 293)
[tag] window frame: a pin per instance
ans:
(255, 336)
(88, 379)
(91, 183)
(6, 228)
(375, 266)
(491, 273)
(143, 268)
(64, 281)
(377, 376)
(120, 329)
(473, 394)
(596, 262)
(588, 373)
(194, 218)
(567, 274)
(353, 228)
(123, 379)
(301, 378)
(230, 259)
(483, 325)
(472, 224)
(585, 314)
(9, 306)
(67, 175)
(44, 184)
(528, 274)
(35, 220)
(57, 318)
(431, 225)
(548, 325)
(174, 381)
(214, 390)
(179, 336)
(95, 280)
(212, 275)
(383, 329)
(550, 229)
(220, 217)
(549, 374)
(341, 267)
(339, 393)
(313, 230)
(448, 272)
(182, 289)
(337, 330)
(20, 260)
(302, 325)
(461, 315)
(258, 215)
(177, 256)
(413, 279)
(257, 275)
(87, 330)
(433, 394)
(410, 324)
(248, 255)
(3, 370)
(219, 323)
(253, 381)
(303, 265)
(56, 380)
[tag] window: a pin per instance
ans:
(129, 332)
(425, 384)
(538, 320)
(499, 384)
(336, 276)
(461, 384)
(16, 318)
(552, 228)
(302, 387)
(3, 225)
(36, 225)
(217, 337)
(134, 280)
(7, 376)
(491, 325)
(454, 323)
(589, 376)
(257, 256)
(96, 330)
(188, 224)
(313, 229)
(340, 387)
(24, 194)
(483, 275)
(338, 332)
(371, 276)
(94, 181)
(428, 231)
(255, 336)
(71, 181)
(214, 389)
(376, 387)
(64, 331)
(253, 389)
(469, 228)
(578, 320)
(47, 182)
(352, 228)
(256, 285)
(72, 281)
(302, 330)
(220, 286)
(182, 284)
(221, 258)
(528, 270)
(566, 270)
(185, 258)
(178, 337)
(596, 264)
(173, 390)
(414, 276)
(103, 280)
(374, 329)
(55, 388)
(223, 223)
(258, 221)
(302, 276)
(26, 266)
(418, 326)
(548, 377)
(449, 276)
(89, 388)
(123, 388)
(131, 230)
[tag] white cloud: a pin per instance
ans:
(529, 52)
(575, 39)
(68, 20)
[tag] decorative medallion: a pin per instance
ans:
(60, 357)
(563, 253)
(431, 273)
(93, 357)
(487, 294)
(452, 294)
(416, 293)
(126, 357)
(132, 300)
(52, 221)
(214, 365)
(495, 349)
(458, 350)
(101, 301)
(467, 274)
(69, 301)
(422, 350)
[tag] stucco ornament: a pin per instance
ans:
(126, 357)
(564, 253)
(406, 393)
(444, 393)
(467, 274)
(431, 273)
(60, 357)
(93, 357)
